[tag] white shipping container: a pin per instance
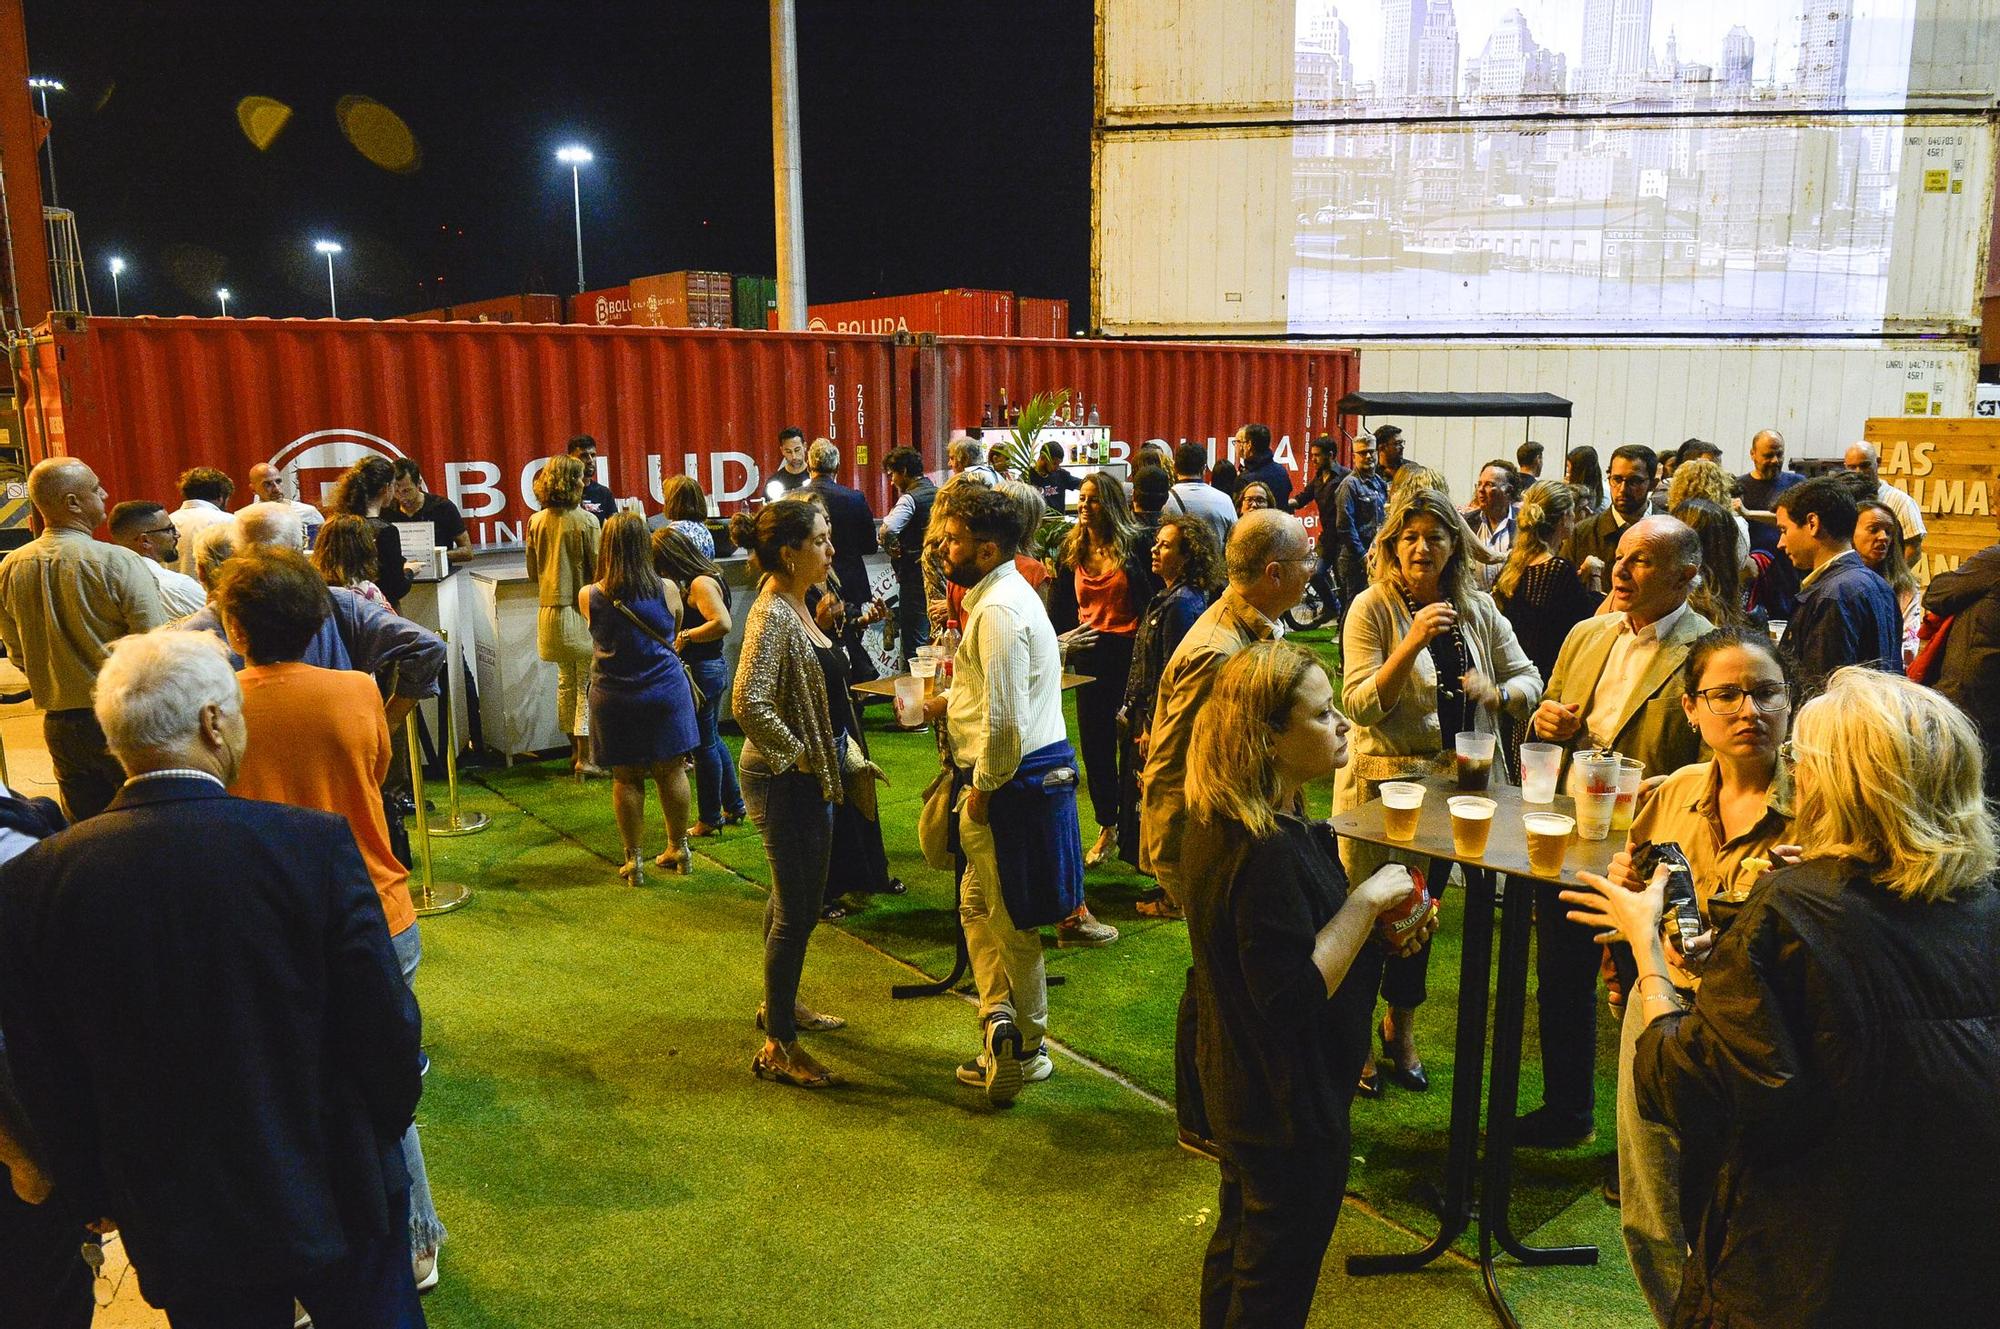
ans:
(1818, 394)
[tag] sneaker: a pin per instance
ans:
(1003, 1061)
(1080, 929)
(1547, 1129)
(1199, 1147)
(1036, 1067)
(425, 1266)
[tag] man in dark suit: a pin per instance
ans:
(852, 524)
(207, 1024)
(1629, 477)
(1846, 613)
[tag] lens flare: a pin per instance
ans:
(379, 134)
(263, 119)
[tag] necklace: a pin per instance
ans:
(1451, 688)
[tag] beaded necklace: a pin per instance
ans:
(1450, 689)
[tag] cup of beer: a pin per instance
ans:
(1540, 765)
(1402, 801)
(1475, 761)
(1471, 824)
(1596, 784)
(1630, 772)
(910, 700)
(924, 669)
(1548, 840)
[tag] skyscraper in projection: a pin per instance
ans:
(1402, 33)
(1617, 47)
(1824, 29)
(1739, 59)
(1437, 53)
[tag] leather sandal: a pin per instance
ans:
(765, 1069)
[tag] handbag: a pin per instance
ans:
(700, 697)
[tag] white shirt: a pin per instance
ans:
(1907, 512)
(310, 521)
(190, 519)
(1006, 688)
(1630, 655)
(12, 842)
(899, 515)
(181, 594)
(1212, 506)
(1499, 538)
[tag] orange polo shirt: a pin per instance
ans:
(318, 739)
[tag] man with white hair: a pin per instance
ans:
(224, 1076)
(270, 524)
(967, 456)
(1865, 458)
(64, 598)
(272, 485)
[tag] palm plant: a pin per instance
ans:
(1020, 449)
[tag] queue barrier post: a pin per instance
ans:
(456, 821)
(431, 896)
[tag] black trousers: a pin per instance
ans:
(1405, 979)
(87, 775)
(1190, 1108)
(1273, 1223)
(44, 1283)
(373, 1288)
(1566, 964)
(1097, 703)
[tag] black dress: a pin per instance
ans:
(1544, 605)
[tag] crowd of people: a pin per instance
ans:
(1801, 1132)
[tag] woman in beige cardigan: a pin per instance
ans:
(790, 697)
(1425, 656)
(562, 560)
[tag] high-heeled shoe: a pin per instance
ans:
(701, 830)
(675, 864)
(1409, 1077)
(1102, 852)
(634, 871)
(735, 818)
(784, 1073)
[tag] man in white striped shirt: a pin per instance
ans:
(1004, 720)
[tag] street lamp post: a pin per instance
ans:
(43, 87)
(329, 248)
(222, 294)
(117, 303)
(575, 157)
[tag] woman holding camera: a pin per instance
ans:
(1839, 1061)
(1727, 816)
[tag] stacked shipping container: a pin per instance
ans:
(954, 313)
(697, 298)
(505, 309)
(756, 302)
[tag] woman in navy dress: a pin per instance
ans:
(642, 717)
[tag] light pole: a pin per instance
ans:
(575, 157)
(117, 303)
(329, 248)
(45, 86)
(222, 294)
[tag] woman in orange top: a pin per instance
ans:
(318, 738)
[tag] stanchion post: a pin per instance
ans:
(455, 822)
(432, 897)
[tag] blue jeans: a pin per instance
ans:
(715, 788)
(426, 1233)
(796, 822)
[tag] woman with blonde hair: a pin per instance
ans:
(1425, 656)
(561, 550)
(1718, 596)
(1538, 589)
(1102, 585)
(1839, 1061)
(1283, 978)
(1878, 538)
(1704, 479)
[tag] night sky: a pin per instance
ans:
(945, 144)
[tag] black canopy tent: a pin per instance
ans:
(1463, 404)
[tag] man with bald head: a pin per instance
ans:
(64, 598)
(1616, 684)
(1865, 458)
(1777, 580)
(1270, 560)
(272, 485)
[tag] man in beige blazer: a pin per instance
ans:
(1270, 561)
(1616, 685)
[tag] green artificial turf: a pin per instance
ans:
(603, 1157)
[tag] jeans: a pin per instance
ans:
(715, 789)
(426, 1233)
(913, 624)
(1649, 1184)
(1273, 1221)
(796, 822)
(1566, 961)
(87, 776)
(1352, 572)
(373, 1288)
(1006, 960)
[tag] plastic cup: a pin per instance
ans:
(1475, 760)
(1548, 841)
(1593, 814)
(1594, 772)
(1541, 763)
(1778, 626)
(1630, 772)
(1402, 802)
(1471, 825)
(909, 700)
(924, 670)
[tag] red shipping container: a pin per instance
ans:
(509, 309)
(610, 307)
(697, 298)
(479, 406)
(1040, 318)
(1179, 392)
(958, 313)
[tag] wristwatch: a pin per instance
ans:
(1503, 696)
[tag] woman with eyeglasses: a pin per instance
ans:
(1834, 1084)
(1728, 816)
(1425, 655)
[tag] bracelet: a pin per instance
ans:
(1664, 979)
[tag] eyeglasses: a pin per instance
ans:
(168, 529)
(1728, 699)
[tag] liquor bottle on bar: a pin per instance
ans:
(1093, 422)
(1003, 408)
(986, 416)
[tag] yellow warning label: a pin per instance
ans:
(861, 454)
(1937, 182)
(1958, 186)
(1916, 403)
